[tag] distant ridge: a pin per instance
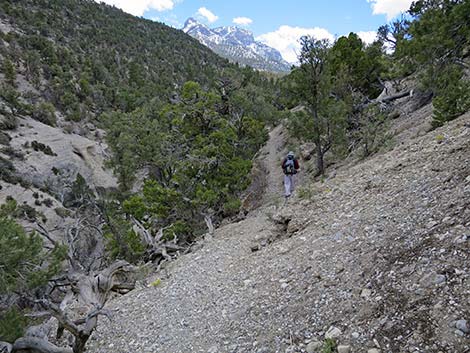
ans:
(238, 45)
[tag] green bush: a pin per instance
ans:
(452, 102)
(9, 71)
(4, 139)
(124, 245)
(12, 325)
(232, 207)
(38, 146)
(177, 229)
(7, 171)
(45, 113)
(62, 212)
(8, 121)
(24, 263)
(329, 346)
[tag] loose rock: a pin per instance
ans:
(462, 325)
(343, 349)
(313, 347)
(333, 332)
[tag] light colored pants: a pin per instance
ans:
(288, 184)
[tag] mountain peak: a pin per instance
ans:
(190, 24)
(238, 45)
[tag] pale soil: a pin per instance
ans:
(379, 251)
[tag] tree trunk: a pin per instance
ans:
(320, 162)
(93, 291)
(209, 224)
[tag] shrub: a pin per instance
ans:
(127, 246)
(45, 113)
(47, 202)
(8, 121)
(451, 103)
(7, 171)
(4, 139)
(38, 146)
(62, 212)
(13, 153)
(232, 207)
(20, 256)
(305, 193)
(12, 325)
(329, 346)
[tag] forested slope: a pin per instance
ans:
(124, 142)
(120, 138)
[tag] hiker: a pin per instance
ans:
(290, 166)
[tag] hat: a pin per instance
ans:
(290, 154)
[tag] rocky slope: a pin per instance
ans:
(238, 45)
(376, 257)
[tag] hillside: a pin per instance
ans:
(66, 68)
(375, 257)
(140, 180)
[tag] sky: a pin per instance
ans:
(278, 24)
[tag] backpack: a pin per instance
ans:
(289, 166)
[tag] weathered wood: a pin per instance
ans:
(93, 291)
(209, 224)
(394, 97)
(38, 345)
(5, 347)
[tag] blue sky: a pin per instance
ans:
(277, 23)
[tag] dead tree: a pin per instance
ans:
(84, 285)
(92, 292)
(157, 248)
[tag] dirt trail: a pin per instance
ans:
(204, 293)
(378, 254)
(270, 160)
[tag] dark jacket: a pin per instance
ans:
(296, 166)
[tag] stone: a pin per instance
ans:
(366, 293)
(373, 350)
(355, 335)
(459, 333)
(344, 349)
(333, 332)
(313, 347)
(439, 279)
(213, 349)
(462, 325)
(432, 279)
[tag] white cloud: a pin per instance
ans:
(390, 8)
(207, 14)
(138, 7)
(242, 21)
(170, 19)
(367, 37)
(286, 39)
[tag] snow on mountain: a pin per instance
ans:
(237, 45)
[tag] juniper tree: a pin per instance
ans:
(323, 118)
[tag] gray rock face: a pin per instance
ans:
(72, 154)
